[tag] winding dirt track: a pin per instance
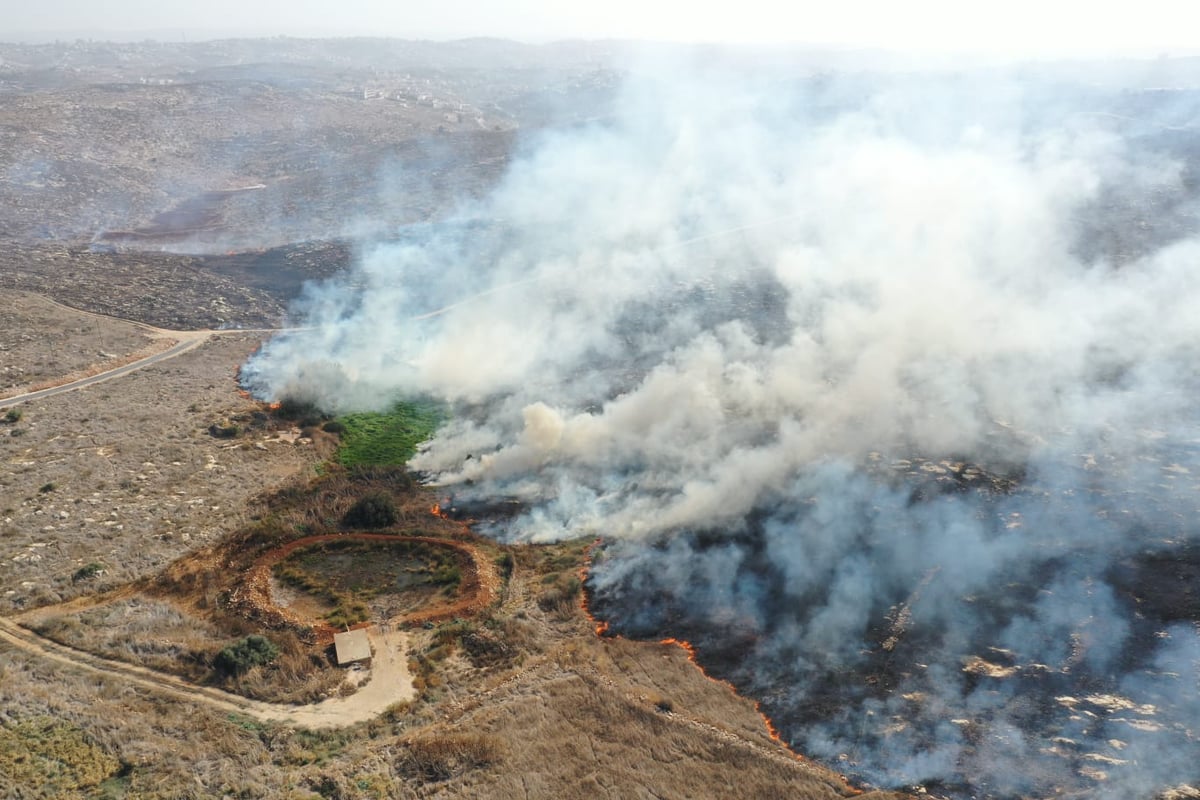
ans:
(389, 682)
(179, 342)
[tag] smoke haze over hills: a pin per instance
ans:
(891, 380)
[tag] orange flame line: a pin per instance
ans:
(602, 629)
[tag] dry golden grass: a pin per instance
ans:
(136, 479)
(567, 714)
(152, 633)
(42, 341)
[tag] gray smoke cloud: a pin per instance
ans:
(883, 377)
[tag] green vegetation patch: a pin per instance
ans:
(54, 756)
(389, 437)
(244, 654)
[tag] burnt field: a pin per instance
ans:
(954, 621)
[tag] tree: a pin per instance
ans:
(374, 510)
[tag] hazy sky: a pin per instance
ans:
(1024, 26)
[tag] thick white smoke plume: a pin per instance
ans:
(834, 364)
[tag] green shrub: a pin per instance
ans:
(46, 488)
(13, 415)
(450, 632)
(347, 613)
(448, 575)
(87, 571)
(374, 510)
(252, 651)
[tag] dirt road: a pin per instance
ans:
(183, 341)
(389, 681)
(187, 340)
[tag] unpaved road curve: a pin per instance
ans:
(184, 341)
(188, 341)
(389, 681)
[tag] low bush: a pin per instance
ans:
(450, 632)
(252, 651)
(224, 431)
(87, 571)
(661, 702)
(441, 757)
(372, 511)
(447, 575)
(485, 650)
(291, 408)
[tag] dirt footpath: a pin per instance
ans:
(389, 681)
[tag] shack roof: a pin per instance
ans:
(352, 646)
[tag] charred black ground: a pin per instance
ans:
(913, 688)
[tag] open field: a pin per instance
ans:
(83, 483)
(522, 702)
(42, 341)
(385, 580)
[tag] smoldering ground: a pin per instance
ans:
(881, 389)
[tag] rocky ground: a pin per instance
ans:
(126, 474)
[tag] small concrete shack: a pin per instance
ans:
(352, 646)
